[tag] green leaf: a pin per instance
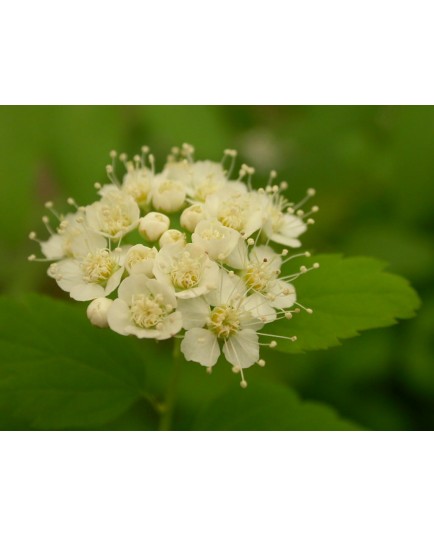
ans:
(267, 407)
(347, 296)
(58, 372)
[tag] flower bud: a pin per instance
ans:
(192, 216)
(97, 312)
(153, 225)
(172, 236)
(140, 260)
(168, 195)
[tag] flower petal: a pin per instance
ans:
(195, 312)
(242, 349)
(201, 346)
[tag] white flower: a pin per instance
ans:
(115, 215)
(261, 275)
(187, 269)
(94, 275)
(191, 216)
(167, 195)
(241, 211)
(215, 239)
(221, 321)
(145, 308)
(138, 184)
(172, 236)
(71, 239)
(282, 227)
(97, 312)
(140, 260)
(153, 225)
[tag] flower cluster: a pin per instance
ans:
(186, 253)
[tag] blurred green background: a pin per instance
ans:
(373, 168)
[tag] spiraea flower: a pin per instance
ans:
(188, 253)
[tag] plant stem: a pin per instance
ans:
(169, 405)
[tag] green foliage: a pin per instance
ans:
(57, 371)
(267, 407)
(347, 296)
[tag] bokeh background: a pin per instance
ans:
(373, 168)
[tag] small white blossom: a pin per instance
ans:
(145, 308)
(153, 225)
(187, 269)
(241, 211)
(138, 184)
(115, 215)
(140, 260)
(167, 195)
(215, 239)
(94, 275)
(71, 239)
(172, 236)
(221, 321)
(97, 312)
(191, 216)
(280, 226)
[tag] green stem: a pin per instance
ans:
(169, 405)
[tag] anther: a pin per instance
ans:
(250, 242)
(145, 149)
(307, 254)
(31, 257)
(300, 213)
(316, 265)
(310, 221)
(311, 192)
(235, 370)
(49, 204)
(283, 185)
(303, 269)
(288, 316)
(309, 311)
(70, 201)
(294, 338)
(243, 384)
(97, 186)
(315, 208)
(123, 157)
(113, 154)
(261, 363)
(284, 252)
(45, 219)
(273, 344)
(32, 235)
(209, 370)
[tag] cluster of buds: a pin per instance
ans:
(187, 253)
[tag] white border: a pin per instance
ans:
(336, 483)
(191, 52)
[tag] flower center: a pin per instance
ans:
(208, 187)
(136, 256)
(276, 219)
(113, 219)
(138, 188)
(224, 321)
(186, 271)
(147, 310)
(212, 234)
(98, 267)
(258, 275)
(232, 214)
